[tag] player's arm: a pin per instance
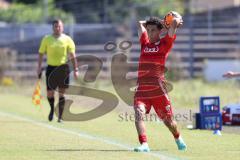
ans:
(141, 28)
(231, 74)
(173, 28)
(172, 21)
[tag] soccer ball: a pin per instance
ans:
(168, 19)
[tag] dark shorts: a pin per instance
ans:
(57, 77)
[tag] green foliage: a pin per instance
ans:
(118, 11)
(32, 13)
(143, 9)
(163, 8)
(88, 11)
(20, 13)
(27, 1)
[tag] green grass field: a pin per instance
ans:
(25, 133)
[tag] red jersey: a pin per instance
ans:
(153, 57)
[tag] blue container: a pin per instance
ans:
(211, 121)
(209, 105)
(209, 117)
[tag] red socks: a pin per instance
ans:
(142, 138)
(176, 135)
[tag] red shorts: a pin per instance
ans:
(160, 102)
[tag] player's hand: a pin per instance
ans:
(143, 23)
(180, 22)
(229, 74)
(173, 17)
(162, 21)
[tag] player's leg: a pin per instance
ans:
(172, 126)
(139, 123)
(163, 109)
(61, 103)
(140, 110)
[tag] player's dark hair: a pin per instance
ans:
(154, 21)
(56, 21)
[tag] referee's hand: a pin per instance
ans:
(76, 74)
(39, 73)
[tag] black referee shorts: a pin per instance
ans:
(57, 77)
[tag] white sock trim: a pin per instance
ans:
(145, 144)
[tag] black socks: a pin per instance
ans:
(61, 108)
(51, 103)
(60, 105)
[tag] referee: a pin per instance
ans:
(58, 47)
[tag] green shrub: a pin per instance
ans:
(32, 13)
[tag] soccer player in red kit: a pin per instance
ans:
(151, 90)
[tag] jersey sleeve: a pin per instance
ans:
(144, 38)
(71, 46)
(169, 39)
(168, 42)
(43, 46)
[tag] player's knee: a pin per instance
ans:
(61, 92)
(139, 111)
(50, 94)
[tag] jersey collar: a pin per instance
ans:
(157, 43)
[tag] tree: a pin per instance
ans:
(33, 13)
(117, 10)
(27, 1)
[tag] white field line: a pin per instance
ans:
(84, 135)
